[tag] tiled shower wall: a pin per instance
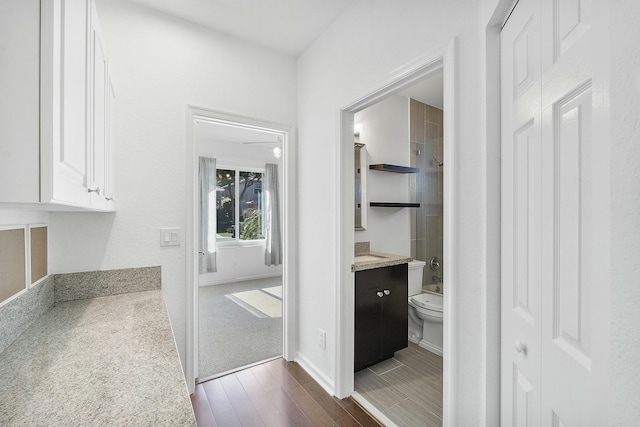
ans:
(425, 137)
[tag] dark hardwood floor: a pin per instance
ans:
(275, 393)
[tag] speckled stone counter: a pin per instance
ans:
(102, 361)
(383, 260)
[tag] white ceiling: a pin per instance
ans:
(286, 26)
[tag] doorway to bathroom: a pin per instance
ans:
(406, 129)
(240, 243)
(408, 122)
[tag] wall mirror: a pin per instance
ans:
(360, 180)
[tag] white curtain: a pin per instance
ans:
(207, 215)
(273, 251)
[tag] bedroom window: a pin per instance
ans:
(239, 212)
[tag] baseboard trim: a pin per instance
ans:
(239, 279)
(325, 382)
(430, 347)
(375, 412)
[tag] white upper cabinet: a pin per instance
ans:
(100, 86)
(75, 96)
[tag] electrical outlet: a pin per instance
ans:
(322, 338)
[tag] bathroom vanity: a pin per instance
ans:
(380, 311)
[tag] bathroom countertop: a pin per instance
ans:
(381, 260)
(101, 361)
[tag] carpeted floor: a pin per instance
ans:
(240, 324)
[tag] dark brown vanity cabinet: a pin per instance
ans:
(380, 314)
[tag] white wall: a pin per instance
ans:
(624, 66)
(385, 131)
(159, 65)
(371, 41)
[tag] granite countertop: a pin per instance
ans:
(370, 260)
(101, 361)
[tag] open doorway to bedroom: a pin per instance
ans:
(239, 227)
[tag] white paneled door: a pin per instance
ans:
(553, 355)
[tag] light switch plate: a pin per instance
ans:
(170, 237)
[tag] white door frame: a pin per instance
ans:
(289, 232)
(344, 376)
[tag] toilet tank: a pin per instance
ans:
(416, 268)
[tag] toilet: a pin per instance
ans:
(425, 312)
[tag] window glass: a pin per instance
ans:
(239, 205)
(225, 204)
(250, 206)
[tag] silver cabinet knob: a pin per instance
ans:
(521, 347)
(387, 292)
(94, 190)
(380, 294)
(110, 198)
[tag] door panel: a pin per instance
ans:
(573, 301)
(524, 401)
(521, 216)
(551, 200)
(571, 327)
(570, 23)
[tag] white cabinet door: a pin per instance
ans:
(100, 92)
(555, 334)
(110, 188)
(19, 101)
(70, 148)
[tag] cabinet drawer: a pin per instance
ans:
(396, 274)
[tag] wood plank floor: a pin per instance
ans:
(275, 393)
(406, 388)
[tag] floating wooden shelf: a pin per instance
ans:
(384, 167)
(393, 205)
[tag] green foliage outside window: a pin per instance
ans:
(248, 206)
(251, 228)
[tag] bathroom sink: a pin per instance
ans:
(366, 258)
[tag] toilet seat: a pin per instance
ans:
(428, 301)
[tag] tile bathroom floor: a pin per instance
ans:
(406, 388)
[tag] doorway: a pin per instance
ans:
(406, 129)
(239, 268)
(441, 63)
